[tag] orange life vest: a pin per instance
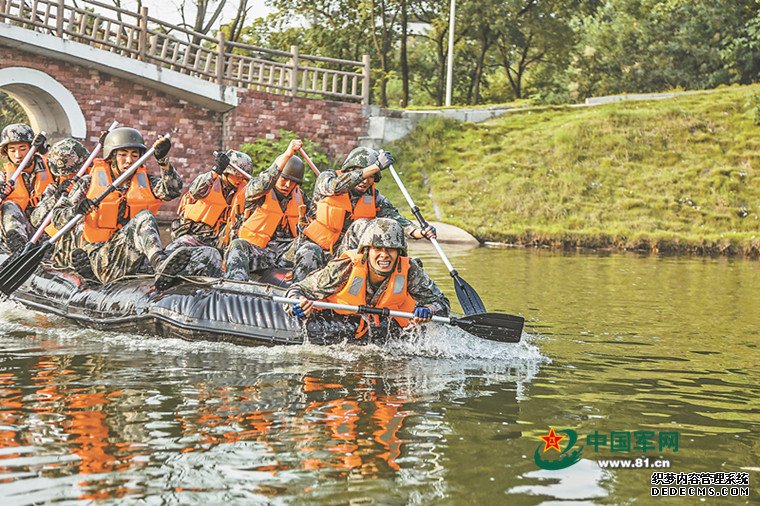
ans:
(259, 228)
(237, 208)
(211, 209)
(20, 195)
(101, 224)
(327, 227)
(395, 296)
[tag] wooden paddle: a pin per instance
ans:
(309, 162)
(21, 269)
(468, 297)
(503, 328)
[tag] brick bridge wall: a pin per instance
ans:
(104, 98)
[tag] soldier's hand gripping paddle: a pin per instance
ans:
(468, 297)
(25, 265)
(503, 328)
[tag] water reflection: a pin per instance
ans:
(120, 422)
(636, 343)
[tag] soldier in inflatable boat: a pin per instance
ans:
(204, 211)
(20, 197)
(120, 234)
(65, 158)
(379, 274)
(268, 224)
(344, 202)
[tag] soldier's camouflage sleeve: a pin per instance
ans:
(388, 210)
(260, 185)
(424, 290)
(49, 198)
(306, 200)
(202, 185)
(330, 183)
(167, 186)
(322, 283)
(68, 207)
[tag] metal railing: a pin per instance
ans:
(141, 37)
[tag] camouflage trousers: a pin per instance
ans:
(205, 234)
(62, 249)
(128, 251)
(310, 256)
(13, 218)
(124, 253)
(244, 258)
(204, 260)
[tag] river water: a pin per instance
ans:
(618, 347)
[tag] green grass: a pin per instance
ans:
(666, 175)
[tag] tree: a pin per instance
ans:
(234, 29)
(654, 45)
(431, 70)
(384, 12)
(533, 33)
(481, 32)
(10, 111)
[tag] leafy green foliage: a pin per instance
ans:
(263, 153)
(552, 51)
(655, 45)
(10, 111)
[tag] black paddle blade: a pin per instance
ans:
(10, 266)
(22, 268)
(505, 328)
(468, 297)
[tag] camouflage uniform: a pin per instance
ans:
(309, 256)
(138, 238)
(204, 233)
(204, 260)
(13, 219)
(199, 190)
(333, 277)
(244, 257)
(65, 157)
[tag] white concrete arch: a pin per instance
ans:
(48, 104)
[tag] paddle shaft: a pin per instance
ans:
(79, 174)
(240, 171)
(360, 309)
(113, 186)
(420, 219)
(24, 162)
(308, 161)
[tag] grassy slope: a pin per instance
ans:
(675, 174)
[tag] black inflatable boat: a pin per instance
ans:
(196, 308)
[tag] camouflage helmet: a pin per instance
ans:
(293, 170)
(239, 160)
(359, 158)
(66, 157)
(122, 138)
(17, 132)
(383, 233)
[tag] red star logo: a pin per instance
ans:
(552, 440)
